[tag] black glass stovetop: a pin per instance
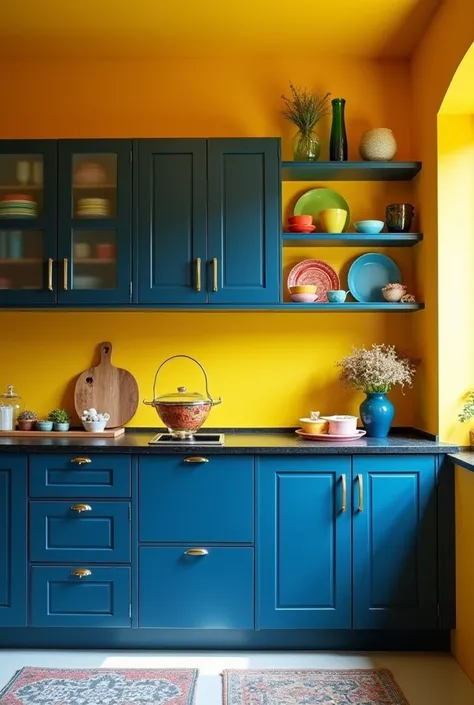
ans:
(199, 439)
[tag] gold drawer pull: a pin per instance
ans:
(360, 482)
(196, 459)
(81, 572)
(81, 508)
(50, 273)
(344, 493)
(196, 552)
(214, 275)
(65, 273)
(81, 461)
(198, 274)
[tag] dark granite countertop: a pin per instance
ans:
(259, 442)
(464, 458)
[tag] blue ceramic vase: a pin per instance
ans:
(377, 412)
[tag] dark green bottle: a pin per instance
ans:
(338, 142)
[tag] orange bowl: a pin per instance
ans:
(301, 220)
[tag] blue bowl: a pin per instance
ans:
(369, 227)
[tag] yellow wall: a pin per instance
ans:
(456, 282)
(463, 636)
(269, 368)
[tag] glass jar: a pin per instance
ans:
(11, 404)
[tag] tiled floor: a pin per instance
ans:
(426, 679)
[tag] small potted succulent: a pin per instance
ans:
(26, 420)
(94, 421)
(467, 413)
(60, 419)
(44, 425)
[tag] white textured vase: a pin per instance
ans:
(378, 145)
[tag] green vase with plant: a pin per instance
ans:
(375, 371)
(60, 419)
(304, 109)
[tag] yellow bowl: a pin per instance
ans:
(304, 289)
(332, 220)
(314, 425)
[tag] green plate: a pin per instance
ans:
(318, 199)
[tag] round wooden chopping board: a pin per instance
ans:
(108, 389)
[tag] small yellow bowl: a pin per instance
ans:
(314, 425)
(304, 289)
(332, 220)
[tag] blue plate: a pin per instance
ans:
(368, 274)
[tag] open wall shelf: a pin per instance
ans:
(349, 171)
(351, 239)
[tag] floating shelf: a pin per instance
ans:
(349, 171)
(348, 239)
(350, 306)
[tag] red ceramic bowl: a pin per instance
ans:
(301, 220)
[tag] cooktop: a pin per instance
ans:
(200, 439)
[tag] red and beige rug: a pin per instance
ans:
(100, 686)
(311, 687)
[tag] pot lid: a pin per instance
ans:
(182, 396)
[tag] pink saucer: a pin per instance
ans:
(330, 436)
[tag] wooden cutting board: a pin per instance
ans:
(107, 389)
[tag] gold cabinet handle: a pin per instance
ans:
(81, 461)
(50, 273)
(360, 482)
(65, 273)
(198, 274)
(344, 493)
(81, 572)
(196, 459)
(196, 552)
(214, 274)
(81, 508)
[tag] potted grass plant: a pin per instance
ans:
(467, 413)
(375, 371)
(304, 109)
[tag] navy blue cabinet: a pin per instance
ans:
(13, 540)
(208, 221)
(304, 543)
(244, 221)
(28, 225)
(171, 240)
(395, 542)
(95, 219)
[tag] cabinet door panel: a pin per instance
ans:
(171, 237)
(28, 224)
(99, 476)
(244, 221)
(395, 542)
(12, 540)
(304, 571)
(209, 591)
(95, 221)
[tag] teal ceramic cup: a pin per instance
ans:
(336, 296)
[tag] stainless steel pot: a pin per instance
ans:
(182, 412)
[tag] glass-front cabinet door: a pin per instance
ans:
(95, 221)
(28, 223)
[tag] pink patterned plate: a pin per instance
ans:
(314, 271)
(330, 436)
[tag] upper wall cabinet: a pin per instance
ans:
(28, 223)
(208, 221)
(95, 218)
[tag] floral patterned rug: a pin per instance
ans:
(97, 686)
(311, 687)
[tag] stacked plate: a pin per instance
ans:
(93, 208)
(18, 205)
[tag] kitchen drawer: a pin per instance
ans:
(61, 599)
(210, 591)
(182, 501)
(61, 475)
(100, 534)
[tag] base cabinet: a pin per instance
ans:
(395, 542)
(202, 587)
(304, 543)
(13, 543)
